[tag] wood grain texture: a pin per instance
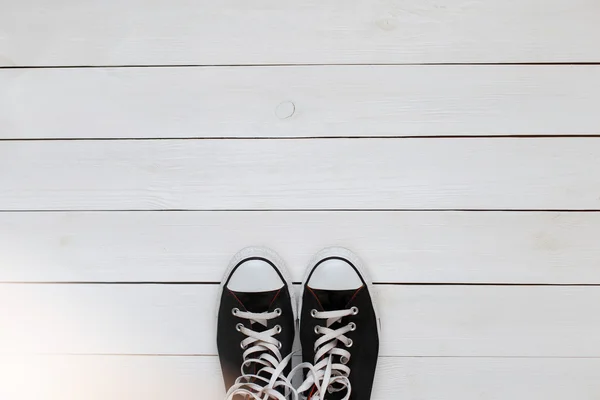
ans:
(192, 378)
(299, 101)
(430, 247)
(502, 321)
(64, 32)
(550, 173)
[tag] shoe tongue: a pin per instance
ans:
(334, 299)
(257, 302)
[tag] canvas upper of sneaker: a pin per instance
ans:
(256, 323)
(346, 313)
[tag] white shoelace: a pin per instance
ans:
(326, 375)
(261, 349)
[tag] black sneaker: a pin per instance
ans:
(255, 326)
(339, 328)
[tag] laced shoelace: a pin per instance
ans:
(262, 350)
(328, 374)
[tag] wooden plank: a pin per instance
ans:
(109, 377)
(299, 101)
(506, 321)
(549, 173)
(190, 378)
(38, 32)
(431, 247)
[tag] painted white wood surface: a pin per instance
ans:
(299, 101)
(505, 173)
(192, 378)
(111, 32)
(473, 247)
(439, 342)
(504, 321)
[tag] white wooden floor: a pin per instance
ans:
(453, 144)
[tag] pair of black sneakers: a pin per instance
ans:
(336, 317)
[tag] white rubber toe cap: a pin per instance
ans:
(255, 276)
(334, 274)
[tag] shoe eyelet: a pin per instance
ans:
(239, 327)
(344, 360)
(354, 310)
(350, 343)
(317, 329)
(235, 311)
(242, 346)
(278, 329)
(279, 345)
(313, 313)
(329, 389)
(352, 326)
(278, 311)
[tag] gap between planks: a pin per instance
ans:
(275, 65)
(194, 138)
(192, 283)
